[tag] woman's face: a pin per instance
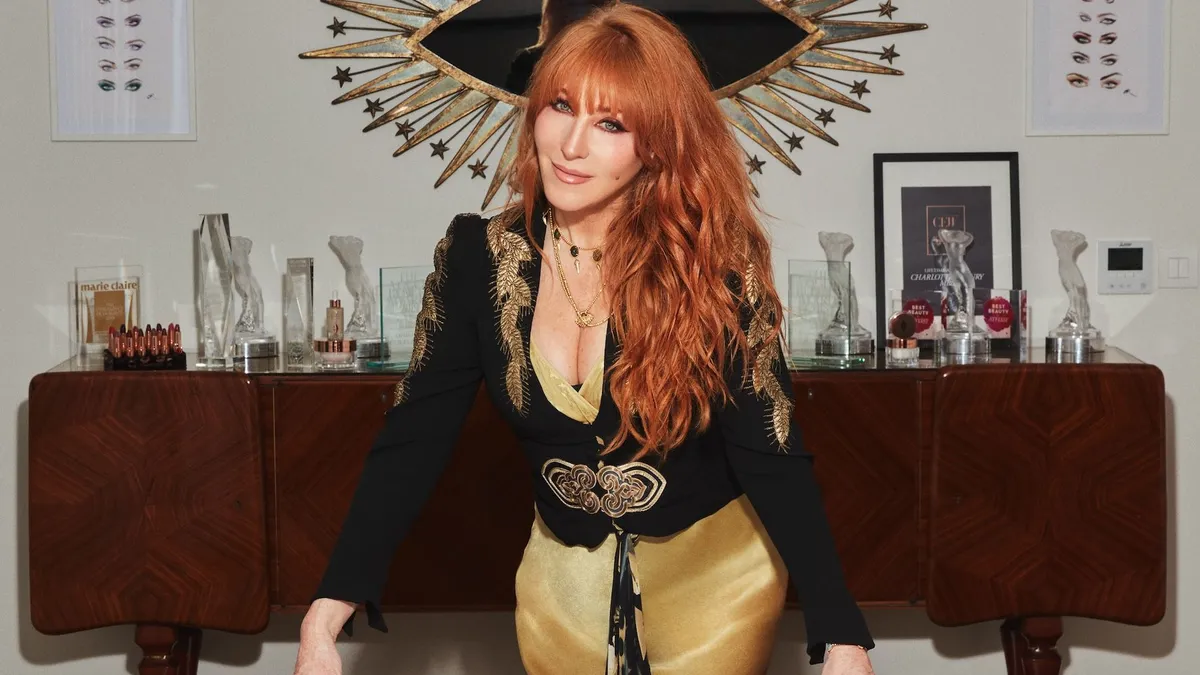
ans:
(587, 157)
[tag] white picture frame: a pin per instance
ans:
(122, 70)
(1069, 85)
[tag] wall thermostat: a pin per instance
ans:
(1126, 266)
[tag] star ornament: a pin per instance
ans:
(426, 96)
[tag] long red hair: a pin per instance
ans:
(687, 227)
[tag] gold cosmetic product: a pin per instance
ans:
(334, 351)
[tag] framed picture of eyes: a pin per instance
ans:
(122, 70)
(1098, 67)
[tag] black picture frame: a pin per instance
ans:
(997, 171)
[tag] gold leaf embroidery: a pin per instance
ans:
(628, 488)
(512, 296)
(431, 315)
(767, 354)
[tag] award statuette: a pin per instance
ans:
(216, 292)
(1075, 335)
(250, 339)
(844, 336)
(962, 337)
(298, 312)
(363, 325)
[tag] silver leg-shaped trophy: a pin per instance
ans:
(962, 337)
(1074, 335)
(844, 336)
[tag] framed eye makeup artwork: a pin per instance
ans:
(1098, 67)
(122, 70)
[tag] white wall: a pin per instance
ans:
(292, 170)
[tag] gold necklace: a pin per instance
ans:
(583, 318)
(597, 251)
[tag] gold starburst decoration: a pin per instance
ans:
(425, 96)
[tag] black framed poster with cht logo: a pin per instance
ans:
(919, 197)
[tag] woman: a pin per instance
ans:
(623, 318)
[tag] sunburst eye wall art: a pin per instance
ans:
(447, 75)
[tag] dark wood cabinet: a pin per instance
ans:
(179, 502)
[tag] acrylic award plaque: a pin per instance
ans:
(812, 307)
(251, 339)
(961, 338)
(298, 313)
(401, 292)
(1074, 335)
(108, 297)
(363, 324)
(215, 292)
(844, 336)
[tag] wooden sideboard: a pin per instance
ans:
(1016, 489)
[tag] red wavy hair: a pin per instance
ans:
(686, 227)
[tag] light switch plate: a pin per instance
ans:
(1177, 268)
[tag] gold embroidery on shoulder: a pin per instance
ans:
(766, 358)
(628, 488)
(512, 296)
(430, 317)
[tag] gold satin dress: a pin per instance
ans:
(711, 595)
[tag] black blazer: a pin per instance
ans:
(474, 326)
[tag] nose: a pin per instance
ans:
(575, 145)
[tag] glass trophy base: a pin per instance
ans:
(964, 345)
(255, 347)
(1074, 345)
(372, 349)
(844, 345)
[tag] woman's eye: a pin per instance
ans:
(136, 45)
(1082, 37)
(133, 85)
(107, 66)
(1108, 38)
(1109, 59)
(104, 21)
(133, 21)
(1080, 57)
(1077, 80)
(107, 85)
(105, 42)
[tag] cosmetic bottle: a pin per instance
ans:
(334, 351)
(902, 348)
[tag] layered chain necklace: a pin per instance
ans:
(583, 318)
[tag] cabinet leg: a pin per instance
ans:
(168, 650)
(1030, 645)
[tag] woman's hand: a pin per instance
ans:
(318, 653)
(847, 660)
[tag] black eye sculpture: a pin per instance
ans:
(437, 65)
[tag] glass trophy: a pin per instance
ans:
(104, 298)
(216, 292)
(1074, 335)
(298, 313)
(844, 336)
(812, 305)
(401, 292)
(363, 325)
(962, 337)
(251, 340)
